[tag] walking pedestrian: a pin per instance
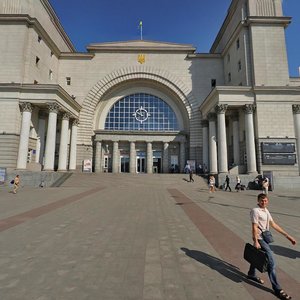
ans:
(191, 175)
(211, 184)
(227, 181)
(261, 220)
(16, 184)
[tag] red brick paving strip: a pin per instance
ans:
(39, 211)
(229, 246)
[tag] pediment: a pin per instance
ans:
(138, 45)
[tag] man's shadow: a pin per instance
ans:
(224, 268)
(283, 251)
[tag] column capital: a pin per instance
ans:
(204, 123)
(75, 122)
(53, 107)
(296, 108)
(66, 116)
(221, 108)
(211, 116)
(249, 108)
(26, 106)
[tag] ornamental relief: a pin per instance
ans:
(26, 106)
(249, 108)
(53, 107)
(296, 108)
(221, 108)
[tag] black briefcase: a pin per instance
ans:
(256, 257)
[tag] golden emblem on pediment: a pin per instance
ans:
(141, 58)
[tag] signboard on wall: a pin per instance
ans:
(87, 165)
(2, 175)
(279, 159)
(278, 147)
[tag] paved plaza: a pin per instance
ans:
(123, 237)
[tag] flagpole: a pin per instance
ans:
(141, 29)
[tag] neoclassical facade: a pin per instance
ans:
(146, 106)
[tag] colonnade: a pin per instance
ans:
(50, 144)
(165, 158)
(215, 154)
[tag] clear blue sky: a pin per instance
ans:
(190, 22)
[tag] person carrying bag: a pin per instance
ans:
(261, 220)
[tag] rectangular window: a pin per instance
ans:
(39, 39)
(213, 83)
(229, 77)
(68, 80)
(239, 65)
(237, 43)
(50, 74)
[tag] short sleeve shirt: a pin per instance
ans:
(261, 217)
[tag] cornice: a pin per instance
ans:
(41, 88)
(33, 22)
(76, 55)
(204, 55)
(258, 20)
(138, 46)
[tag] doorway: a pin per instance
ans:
(140, 164)
(124, 164)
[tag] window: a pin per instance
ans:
(237, 43)
(50, 74)
(213, 83)
(39, 39)
(229, 77)
(228, 58)
(239, 65)
(141, 111)
(37, 60)
(68, 80)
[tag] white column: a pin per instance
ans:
(51, 137)
(115, 166)
(296, 111)
(250, 140)
(166, 158)
(149, 158)
(222, 140)
(182, 157)
(205, 142)
(236, 139)
(63, 147)
(132, 162)
(24, 135)
(98, 157)
(41, 134)
(213, 160)
(73, 146)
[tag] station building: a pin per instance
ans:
(148, 106)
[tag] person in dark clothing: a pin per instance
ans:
(191, 175)
(227, 181)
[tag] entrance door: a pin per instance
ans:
(140, 164)
(124, 164)
(156, 165)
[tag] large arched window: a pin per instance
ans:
(141, 112)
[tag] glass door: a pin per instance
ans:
(140, 164)
(124, 164)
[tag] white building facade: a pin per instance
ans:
(146, 106)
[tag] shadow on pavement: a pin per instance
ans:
(224, 268)
(283, 251)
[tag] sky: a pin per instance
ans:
(194, 22)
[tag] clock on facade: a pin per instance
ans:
(141, 114)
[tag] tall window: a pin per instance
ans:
(141, 112)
